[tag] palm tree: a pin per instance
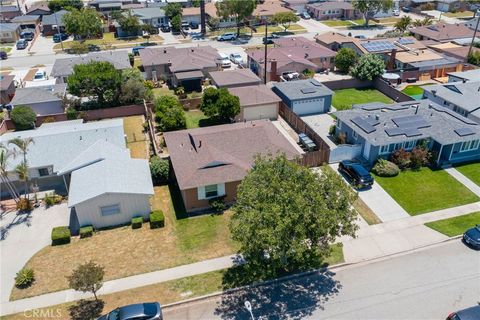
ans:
(425, 22)
(4, 156)
(22, 168)
(403, 24)
(22, 171)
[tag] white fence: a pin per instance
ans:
(344, 152)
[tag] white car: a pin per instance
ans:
(236, 58)
(223, 61)
(396, 12)
(40, 75)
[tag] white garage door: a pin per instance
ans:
(269, 111)
(306, 107)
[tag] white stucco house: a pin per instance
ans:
(105, 186)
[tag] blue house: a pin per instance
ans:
(304, 97)
(381, 129)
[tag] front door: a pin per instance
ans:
(366, 150)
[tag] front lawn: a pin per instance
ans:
(337, 23)
(471, 171)
(124, 252)
(108, 40)
(194, 117)
(426, 190)
(343, 99)
(455, 226)
(460, 15)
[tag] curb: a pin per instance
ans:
(300, 275)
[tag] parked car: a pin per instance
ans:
(93, 47)
(139, 311)
(193, 25)
(305, 15)
(40, 75)
(3, 55)
(269, 39)
(472, 313)
(227, 37)
(27, 35)
(224, 61)
(165, 28)
(406, 9)
(360, 36)
(135, 50)
(236, 58)
(185, 25)
(472, 237)
(359, 176)
(57, 37)
(22, 44)
(396, 12)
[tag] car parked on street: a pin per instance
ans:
(22, 44)
(472, 313)
(305, 15)
(57, 37)
(358, 176)
(236, 58)
(3, 55)
(227, 37)
(139, 311)
(269, 39)
(472, 237)
(135, 50)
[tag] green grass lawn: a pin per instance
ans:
(193, 118)
(163, 91)
(426, 190)
(464, 14)
(337, 23)
(343, 99)
(471, 171)
(455, 226)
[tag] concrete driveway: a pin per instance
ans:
(23, 235)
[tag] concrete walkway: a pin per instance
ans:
(117, 285)
(472, 186)
(379, 201)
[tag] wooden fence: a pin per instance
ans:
(312, 158)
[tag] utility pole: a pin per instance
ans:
(58, 30)
(265, 58)
(473, 39)
(203, 28)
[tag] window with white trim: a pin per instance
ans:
(469, 145)
(110, 210)
(211, 191)
(384, 149)
(398, 146)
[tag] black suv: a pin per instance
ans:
(165, 28)
(472, 313)
(359, 176)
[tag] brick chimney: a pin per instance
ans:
(391, 62)
(273, 70)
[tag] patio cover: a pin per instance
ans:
(189, 75)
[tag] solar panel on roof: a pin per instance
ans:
(405, 41)
(411, 132)
(364, 125)
(378, 46)
(394, 131)
(414, 121)
(462, 132)
(308, 90)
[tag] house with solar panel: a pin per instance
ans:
(380, 129)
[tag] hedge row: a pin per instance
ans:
(60, 235)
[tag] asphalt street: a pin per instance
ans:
(426, 284)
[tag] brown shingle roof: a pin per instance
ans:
(224, 153)
(269, 8)
(234, 77)
(332, 5)
(193, 11)
(180, 59)
(443, 31)
(254, 95)
(5, 81)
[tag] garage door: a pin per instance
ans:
(261, 112)
(306, 107)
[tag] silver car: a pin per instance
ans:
(236, 58)
(140, 311)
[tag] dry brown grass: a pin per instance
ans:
(367, 214)
(124, 252)
(137, 140)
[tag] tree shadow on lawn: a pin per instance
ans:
(297, 297)
(86, 309)
(212, 121)
(21, 217)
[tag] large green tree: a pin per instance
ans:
(23, 117)
(285, 19)
(220, 104)
(87, 277)
(286, 216)
(84, 23)
(169, 113)
(369, 8)
(403, 24)
(129, 22)
(240, 10)
(57, 5)
(345, 59)
(98, 80)
(173, 9)
(368, 67)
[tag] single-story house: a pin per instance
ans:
(452, 5)
(265, 10)
(39, 9)
(7, 13)
(298, 6)
(381, 129)
(153, 16)
(234, 78)
(304, 97)
(295, 54)
(462, 98)
(10, 32)
(424, 60)
(62, 68)
(43, 100)
(453, 50)
(51, 23)
(442, 32)
(7, 88)
(27, 21)
(180, 66)
(191, 14)
(211, 12)
(256, 102)
(107, 6)
(464, 76)
(333, 40)
(209, 163)
(91, 162)
(332, 10)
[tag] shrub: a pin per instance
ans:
(24, 205)
(60, 235)
(24, 278)
(71, 113)
(137, 222)
(217, 204)
(169, 113)
(157, 219)
(345, 59)
(52, 198)
(384, 168)
(308, 73)
(159, 169)
(331, 130)
(86, 232)
(401, 158)
(419, 157)
(23, 117)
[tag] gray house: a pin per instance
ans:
(462, 98)
(43, 100)
(154, 16)
(464, 76)
(381, 129)
(304, 96)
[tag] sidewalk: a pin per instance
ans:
(469, 184)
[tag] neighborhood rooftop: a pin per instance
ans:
(254, 95)
(25, 96)
(470, 75)
(465, 95)
(234, 77)
(303, 89)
